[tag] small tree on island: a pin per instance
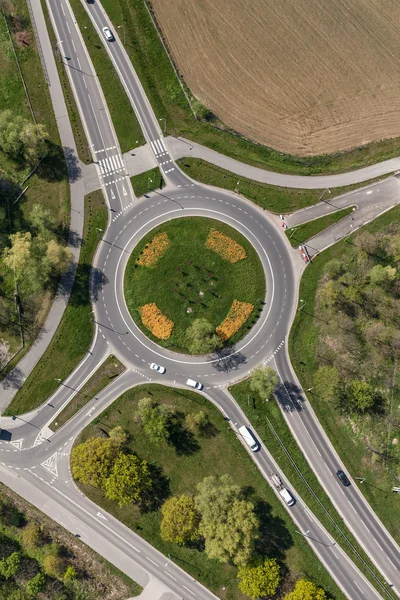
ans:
(201, 337)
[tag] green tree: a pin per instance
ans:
(40, 219)
(228, 523)
(20, 138)
(53, 566)
(306, 590)
(201, 337)
(155, 419)
(17, 256)
(377, 274)
(70, 573)
(129, 480)
(91, 461)
(118, 436)
(60, 257)
(263, 381)
(9, 566)
(361, 396)
(36, 584)
(180, 520)
(327, 383)
(31, 535)
(328, 293)
(262, 580)
(196, 422)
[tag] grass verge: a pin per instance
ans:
(78, 131)
(259, 412)
(95, 575)
(168, 101)
(270, 197)
(352, 449)
(184, 463)
(147, 181)
(75, 332)
(122, 114)
(307, 230)
(109, 369)
(191, 281)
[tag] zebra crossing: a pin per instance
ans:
(111, 164)
(158, 147)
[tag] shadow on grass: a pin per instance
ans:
(274, 538)
(182, 440)
(159, 492)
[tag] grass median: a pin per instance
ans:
(300, 474)
(168, 101)
(126, 125)
(180, 465)
(147, 181)
(75, 332)
(107, 371)
(301, 233)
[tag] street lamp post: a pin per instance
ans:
(169, 558)
(165, 124)
(57, 379)
(303, 305)
(59, 51)
(123, 28)
(237, 187)
(150, 182)
(323, 194)
(98, 229)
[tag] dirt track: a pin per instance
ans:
(302, 76)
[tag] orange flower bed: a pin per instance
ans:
(154, 250)
(155, 321)
(238, 314)
(225, 246)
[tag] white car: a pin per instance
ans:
(157, 368)
(107, 34)
(194, 384)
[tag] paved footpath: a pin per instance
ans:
(11, 384)
(179, 147)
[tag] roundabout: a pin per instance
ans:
(189, 269)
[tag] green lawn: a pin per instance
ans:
(187, 268)
(168, 101)
(109, 369)
(187, 462)
(293, 462)
(147, 181)
(75, 332)
(122, 114)
(350, 443)
(302, 233)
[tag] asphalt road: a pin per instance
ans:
(34, 452)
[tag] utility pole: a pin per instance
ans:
(123, 28)
(165, 124)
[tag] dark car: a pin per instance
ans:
(343, 477)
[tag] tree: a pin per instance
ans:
(53, 566)
(262, 580)
(328, 293)
(31, 535)
(263, 381)
(201, 337)
(129, 480)
(70, 573)
(60, 257)
(361, 396)
(40, 219)
(196, 422)
(228, 523)
(91, 461)
(18, 255)
(9, 566)
(36, 584)
(20, 138)
(155, 420)
(118, 436)
(306, 590)
(326, 383)
(180, 520)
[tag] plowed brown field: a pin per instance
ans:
(303, 76)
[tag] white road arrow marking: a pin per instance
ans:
(112, 195)
(124, 190)
(17, 443)
(101, 516)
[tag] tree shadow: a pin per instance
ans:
(228, 360)
(54, 166)
(289, 397)
(159, 491)
(209, 430)
(274, 538)
(14, 379)
(97, 280)
(183, 440)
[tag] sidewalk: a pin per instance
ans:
(179, 147)
(15, 379)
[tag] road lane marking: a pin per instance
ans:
(152, 561)
(169, 575)
(186, 588)
(355, 583)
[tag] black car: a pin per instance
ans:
(343, 477)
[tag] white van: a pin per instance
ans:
(286, 497)
(249, 438)
(194, 384)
